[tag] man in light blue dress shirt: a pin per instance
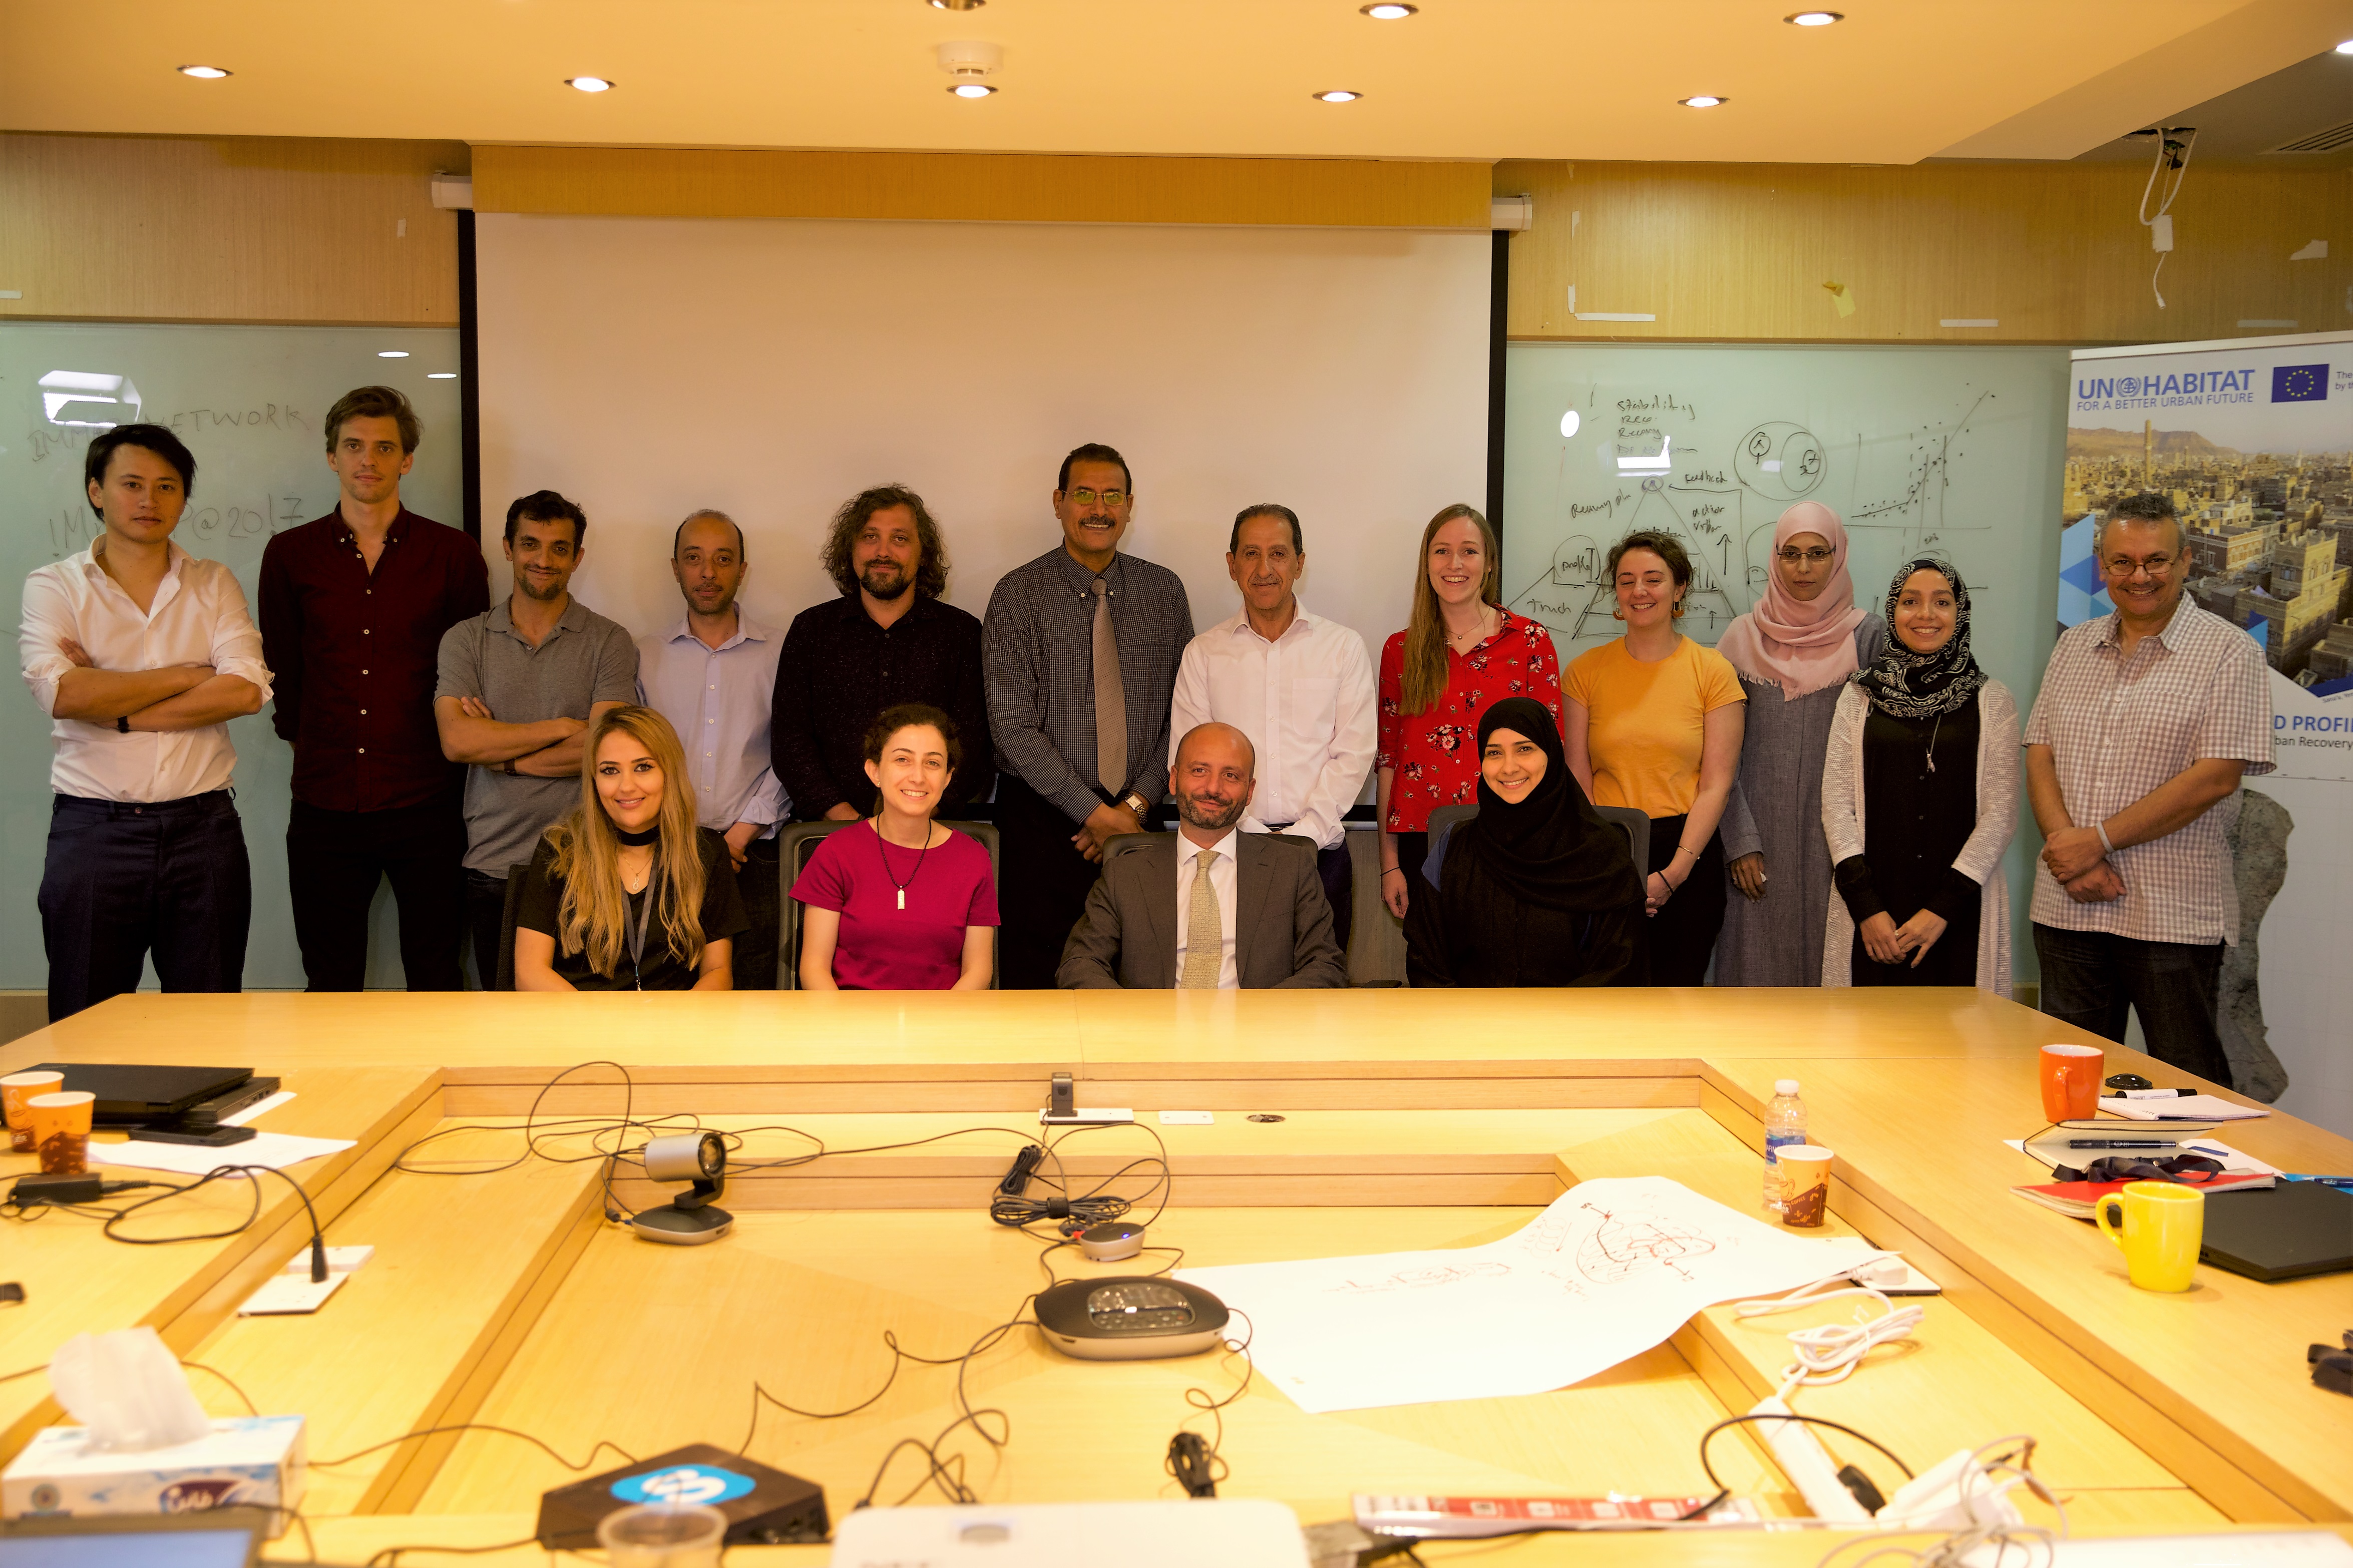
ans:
(713, 676)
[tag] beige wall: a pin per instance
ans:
(227, 229)
(2053, 252)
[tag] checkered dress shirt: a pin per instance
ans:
(1037, 645)
(2117, 728)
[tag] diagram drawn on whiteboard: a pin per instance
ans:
(1660, 473)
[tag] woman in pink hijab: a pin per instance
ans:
(1794, 652)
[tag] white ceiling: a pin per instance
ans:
(1897, 81)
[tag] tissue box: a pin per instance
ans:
(250, 1461)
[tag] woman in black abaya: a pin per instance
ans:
(1536, 889)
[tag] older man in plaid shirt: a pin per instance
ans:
(2146, 720)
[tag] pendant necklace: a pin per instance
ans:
(882, 844)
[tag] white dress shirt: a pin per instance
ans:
(720, 701)
(1307, 700)
(197, 617)
(1221, 882)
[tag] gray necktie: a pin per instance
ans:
(1111, 699)
(1205, 940)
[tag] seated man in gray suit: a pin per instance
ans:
(1207, 907)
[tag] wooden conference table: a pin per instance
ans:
(1409, 1119)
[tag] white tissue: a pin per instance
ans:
(128, 1389)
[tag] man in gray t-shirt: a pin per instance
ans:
(519, 685)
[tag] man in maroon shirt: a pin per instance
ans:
(353, 609)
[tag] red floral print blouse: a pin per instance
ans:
(1435, 752)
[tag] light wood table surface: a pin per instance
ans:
(1411, 1119)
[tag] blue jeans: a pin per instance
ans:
(124, 878)
(2090, 979)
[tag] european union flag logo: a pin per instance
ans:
(2299, 384)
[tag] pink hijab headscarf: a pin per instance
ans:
(1804, 647)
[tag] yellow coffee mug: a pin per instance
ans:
(2160, 1225)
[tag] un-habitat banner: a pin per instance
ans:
(2254, 439)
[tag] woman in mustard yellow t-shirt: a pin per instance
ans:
(1654, 722)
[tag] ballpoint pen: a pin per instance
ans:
(2345, 1182)
(2121, 1144)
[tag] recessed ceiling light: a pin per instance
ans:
(392, 353)
(204, 73)
(1337, 95)
(589, 83)
(1388, 11)
(972, 89)
(441, 375)
(957, 5)
(2345, 48)
(1814, 18)
(1703, 100)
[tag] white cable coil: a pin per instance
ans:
(1828, 1353)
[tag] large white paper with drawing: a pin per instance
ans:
(1611, 1269)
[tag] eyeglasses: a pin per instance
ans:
(1791, 555)
(1085, 497)
(2122, 566)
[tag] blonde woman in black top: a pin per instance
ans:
(628, 892)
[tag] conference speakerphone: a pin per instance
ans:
(763, 1507)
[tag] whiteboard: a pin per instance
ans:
(249, 402)
(1945, 451)
(774, 368)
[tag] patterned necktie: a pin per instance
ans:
(1111, 699)
(1205, 939)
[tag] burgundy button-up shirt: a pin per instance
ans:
(355, 654)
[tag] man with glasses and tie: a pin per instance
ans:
(1081, 647)
(1209, 907)
(2146, 720)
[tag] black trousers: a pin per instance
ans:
(126, 878)
(334, 859)
(1682, 935)
(2090, 979)
(486, 918)
(760, 882)
(1043, 882)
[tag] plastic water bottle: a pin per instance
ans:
(1785, 1123)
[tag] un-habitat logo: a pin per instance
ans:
(706, 1484)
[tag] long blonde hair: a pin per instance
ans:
(1425, 629)
(594, 916)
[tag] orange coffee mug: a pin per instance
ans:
(2071, 1082)
(15, 1089)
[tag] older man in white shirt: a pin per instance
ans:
(1300, 687)
(713, 676)
(141, 654)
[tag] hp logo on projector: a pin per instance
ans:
(705, 1484)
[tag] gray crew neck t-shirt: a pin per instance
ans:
(587, 659)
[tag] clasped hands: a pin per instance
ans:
(2079, 864)
(1103, 824)
(1888, 943)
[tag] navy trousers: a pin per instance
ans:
(2091, 979)
(127, 878)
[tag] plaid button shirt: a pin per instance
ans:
(2117, 728)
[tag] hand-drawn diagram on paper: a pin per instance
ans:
(1611, 1269)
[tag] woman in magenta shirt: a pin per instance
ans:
(898, 902)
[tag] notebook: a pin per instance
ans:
(2077, 1199)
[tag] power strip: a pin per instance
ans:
(1807, 1465)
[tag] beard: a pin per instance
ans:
(1209, 817)
(532, 590)
(883, 580)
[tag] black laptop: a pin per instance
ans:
(2281, 1233)
(129, 1094)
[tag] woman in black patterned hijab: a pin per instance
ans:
(1919, 799)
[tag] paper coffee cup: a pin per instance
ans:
(15, 1089)
(61, 1131)
(1805, 1184)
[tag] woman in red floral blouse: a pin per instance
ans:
(1461, 653)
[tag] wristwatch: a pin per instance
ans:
(509, 768)
(1136, 803)
(122, 722)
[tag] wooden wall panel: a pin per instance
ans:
(2052, 252)
(227, 230)
(984, 186)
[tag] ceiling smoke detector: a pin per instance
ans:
(968, 60)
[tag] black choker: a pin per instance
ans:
(638, 840)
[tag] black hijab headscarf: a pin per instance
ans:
(1909, 685)
(1552, 850)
